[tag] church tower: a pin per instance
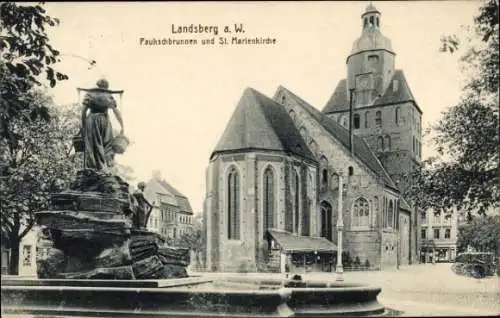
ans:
(385, 114)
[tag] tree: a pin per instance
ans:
(467, 174)
(193, 239)
(126, 173)
(41, 162)
(26, 56)
(482, 234)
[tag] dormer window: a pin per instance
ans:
(395, 84)
(356, 121)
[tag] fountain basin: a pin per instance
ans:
(186, 297)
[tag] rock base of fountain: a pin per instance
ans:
(88, 233)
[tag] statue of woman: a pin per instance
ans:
(143, 208)
(96, 126)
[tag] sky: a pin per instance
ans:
(178, 99)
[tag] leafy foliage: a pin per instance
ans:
(41, 162)
(467, 175)
(193, 239)
(26, 58)
(126, 173)
(482, 234)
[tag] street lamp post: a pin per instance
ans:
(340, 218)
(340, 228)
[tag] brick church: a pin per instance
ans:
(283, 171)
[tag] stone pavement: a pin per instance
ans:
(420, 290)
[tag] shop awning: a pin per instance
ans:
(294, 243)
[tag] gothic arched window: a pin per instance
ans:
(378, 118)
(314, 147)
(387, 142)
(361, 213)
(397, 115)
(303, 132)
(334, 181)
(377, 22)
(268, 189)
(324, 177)
(367, 115)
(233, 205)
(283, 99)
(384, 213)
(326, 220)
(292, 114)
(296, 203)
(390, 214)
(380, 143)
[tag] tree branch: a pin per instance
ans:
(6, 221)
(27, 229)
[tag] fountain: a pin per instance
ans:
(103, 262)
(188, 297)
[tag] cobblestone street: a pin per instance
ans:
(434, 290)
(422, 290)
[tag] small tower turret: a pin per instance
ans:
(371, 17)
(370, 66)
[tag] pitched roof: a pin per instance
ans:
(340, 100)
(294, 243)
(153, 187)
(182, 200)
(360, 149)
(258, 122)
(402, 93)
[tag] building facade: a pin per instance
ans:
(283, 171)
(171, 214)
(438, 234)
(28, 254)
